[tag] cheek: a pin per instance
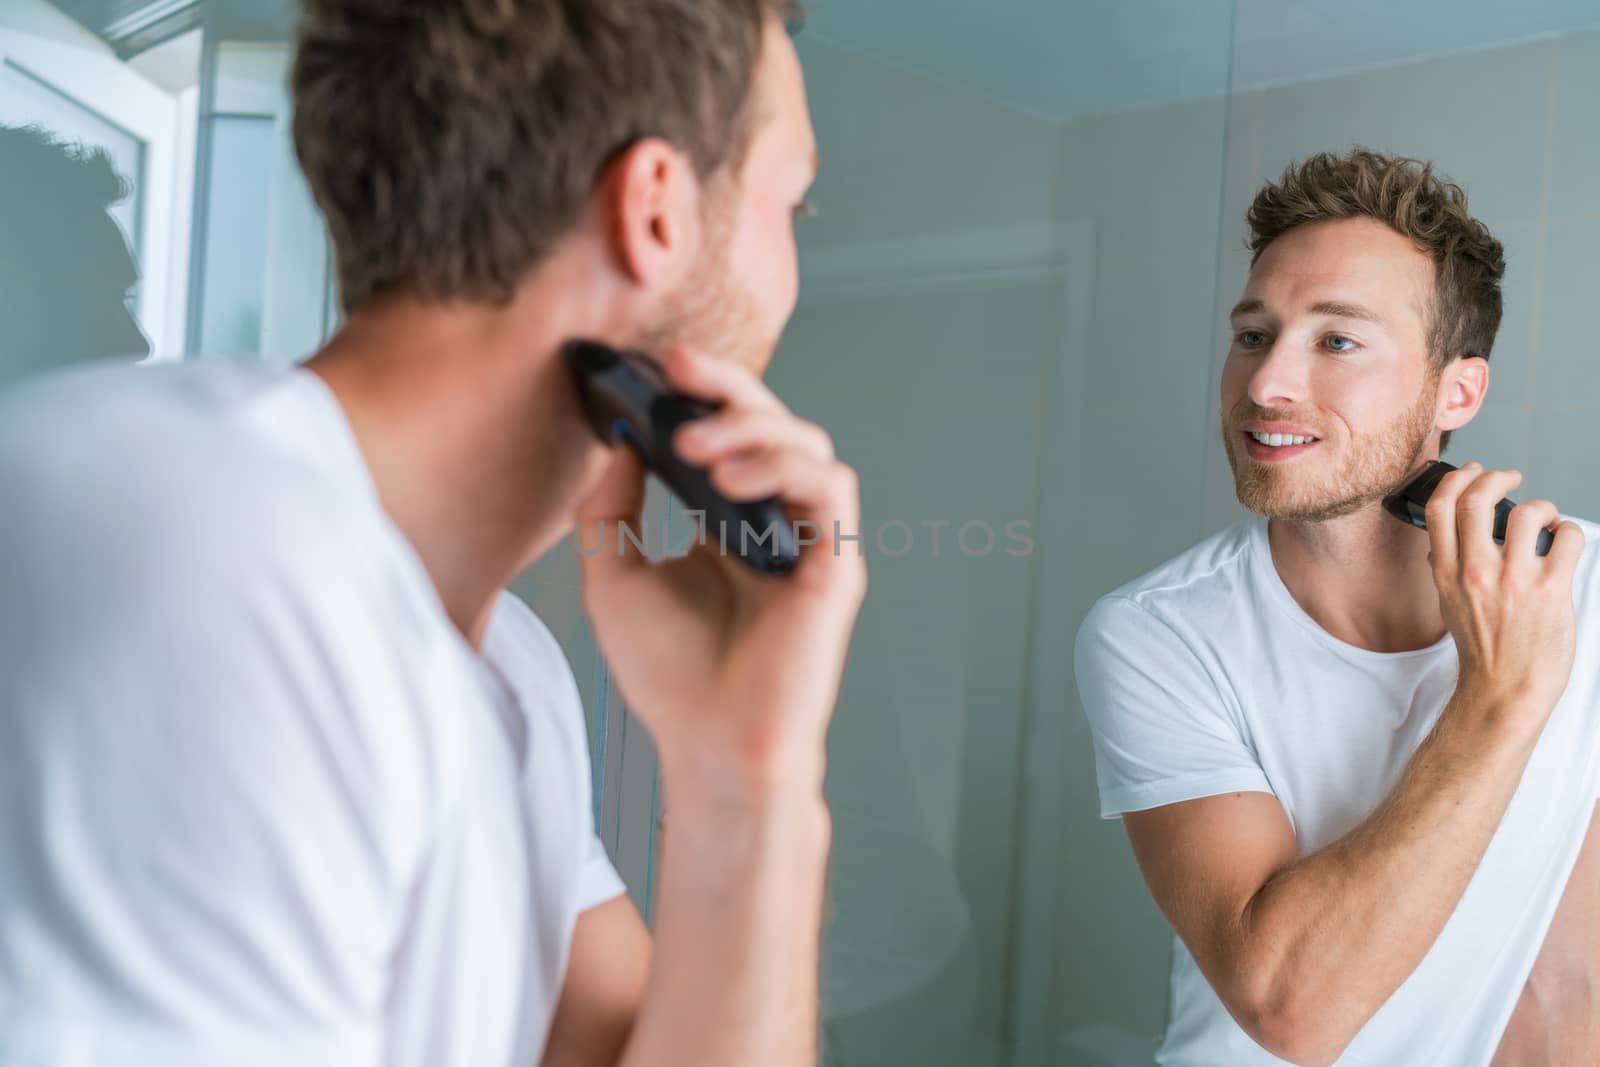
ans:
(765, 265)
(1235, 381)
(1364, 401)
(786, 284)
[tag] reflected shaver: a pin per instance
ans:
(1410, 505)
(626, 399)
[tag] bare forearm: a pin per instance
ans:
(1330, 937)
(735, 975)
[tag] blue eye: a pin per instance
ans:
(1335, 341)
(1252, 338)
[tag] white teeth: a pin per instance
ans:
(1279, 440)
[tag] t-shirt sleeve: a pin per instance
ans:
(1162, 732)
(600, 881)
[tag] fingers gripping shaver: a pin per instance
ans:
(626, 399)
(1410, 505)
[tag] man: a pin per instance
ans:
(1357, 761)
(65, 269)
(288, 777)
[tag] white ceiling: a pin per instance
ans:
(174, 64)
(1068, 59)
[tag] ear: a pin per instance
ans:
(650, 198)
(1462, 388)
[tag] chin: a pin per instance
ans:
(1275, 503)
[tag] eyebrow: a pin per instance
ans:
(1341, 310)
(1336, 308)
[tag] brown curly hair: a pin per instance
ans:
(452, 143)
(1410, 198)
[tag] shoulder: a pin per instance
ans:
(214, 476)
(1205, 578)
(521, 647)
(182, 530)
(516, 629)
(1591, 543)
(518, 639)
(1587, 580)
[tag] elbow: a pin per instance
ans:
(1291, 1026)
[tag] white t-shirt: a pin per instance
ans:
(1205, 677)
(260, 804)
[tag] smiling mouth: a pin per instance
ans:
(1280, 440)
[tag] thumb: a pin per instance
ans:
(608, 514)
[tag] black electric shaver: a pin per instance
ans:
(626, 399)
(1410, 505)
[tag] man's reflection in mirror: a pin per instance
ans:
(66, 273)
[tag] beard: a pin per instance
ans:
(1375, 464)
(711, 313)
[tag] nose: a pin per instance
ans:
(1279, 380)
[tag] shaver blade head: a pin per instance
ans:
(617, 394)
(1410, 502)
(1402, 509)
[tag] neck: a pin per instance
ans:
(471, 432)
(1364, 578)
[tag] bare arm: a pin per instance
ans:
(1304, 950)
(735, 675)
(1557, 1020)
(603, 988)
(737, 928)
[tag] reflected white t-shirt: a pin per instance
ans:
(260, 804)
(1205, 677)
